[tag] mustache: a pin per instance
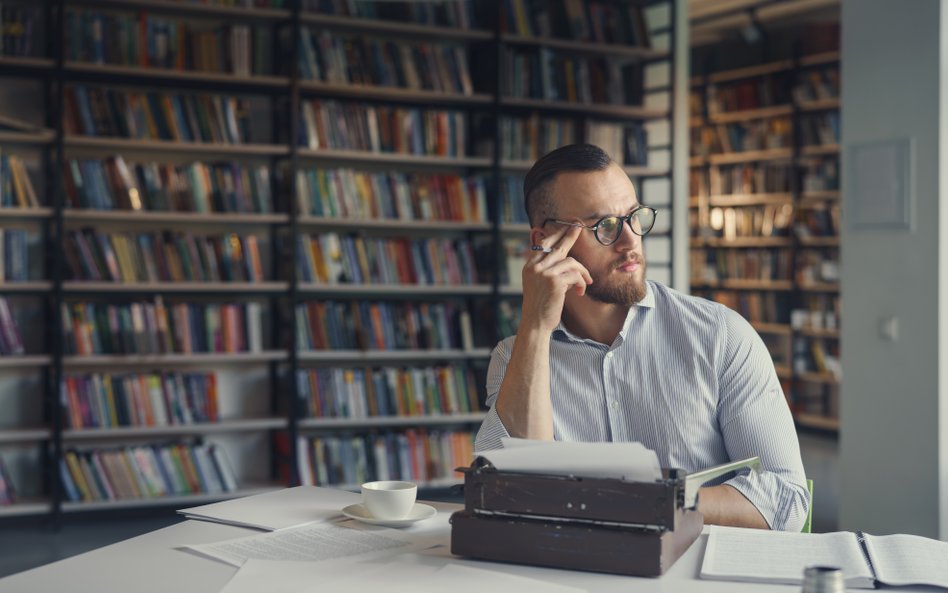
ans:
(636, 259)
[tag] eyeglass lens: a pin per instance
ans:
(610, 228)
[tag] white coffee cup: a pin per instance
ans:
(389, 499)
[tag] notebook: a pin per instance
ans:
(760, 556)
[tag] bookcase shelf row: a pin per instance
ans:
(384, 421)
(780, 285)
(773, 154)
(197, 428)
(363, 290)
(772, 328)
(390, 224)
(741, 242)
(819, 241)
(602, 49)
(8, 287)
(24, 508)
(83, 286)
(390, 356)
(196, 358)
(749, 199)
(24, 435)
(175, 500)
(175, 218)
(255, 14)
(818, 59)
(765, 112)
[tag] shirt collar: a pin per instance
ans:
(648, 302)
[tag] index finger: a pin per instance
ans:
(566, 242)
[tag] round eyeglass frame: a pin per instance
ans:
(623, 221)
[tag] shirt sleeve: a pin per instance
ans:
(755, 420)
(492, 430)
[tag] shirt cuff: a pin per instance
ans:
(783, 505)
(491, 432)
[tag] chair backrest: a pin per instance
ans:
(809, 515)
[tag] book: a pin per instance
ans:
(749, 555)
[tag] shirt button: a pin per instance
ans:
(615, 405)
(608, 354)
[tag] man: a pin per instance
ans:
(601, 354)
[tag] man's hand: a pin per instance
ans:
(547, 277)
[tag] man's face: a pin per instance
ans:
(618, 270)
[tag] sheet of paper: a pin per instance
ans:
(291, 507)
(625, 461)
(399, 575)
(909, 559)
(760, 556)
(315, 542)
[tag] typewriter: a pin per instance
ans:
(636, 528)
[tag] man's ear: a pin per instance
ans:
(537, 235)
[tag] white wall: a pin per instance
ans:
(892, 455)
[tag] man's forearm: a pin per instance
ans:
(523, 403)
(725, 505)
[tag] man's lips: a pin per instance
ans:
(629, 265)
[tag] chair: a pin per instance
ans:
(809, 515)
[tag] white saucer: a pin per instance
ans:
(419, 512)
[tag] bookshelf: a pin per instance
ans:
(244, 143)
(765, 220)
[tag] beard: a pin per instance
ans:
(625, 289)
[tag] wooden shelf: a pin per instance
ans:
(385, 158)
(216, 150)
(24, 435)
(183, 501)
(599, 49)
(747, 156)
(76, 287)
(750, 114)
(73, 68)
(764, 69)
(819, 241)
(760, 199)
(819, 104)
(820, 59)
(306, 221)
(374, 421)
(823, 378)
(624, 111)
(25, 361)
(197, 428)
(511, 291)
(387, 290)
(11, 213)
(520, 166)
(744, 284)
(27, 138)
(189, 218)
(817, 421)
(31, 287)
(190, 9)
(24, 508)
(783, 371)
(820, 150)
(779, 329)
(742, 242)
(387, 356)
(819, 333)
(158, 360)
(393, 93)
(334, 22)
(749, 72)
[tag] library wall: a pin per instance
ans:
(893, 453)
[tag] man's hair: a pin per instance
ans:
(579, 158)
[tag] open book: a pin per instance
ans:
(866, 560)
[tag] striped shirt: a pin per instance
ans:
(686, 377)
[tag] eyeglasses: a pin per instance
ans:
(641, 220)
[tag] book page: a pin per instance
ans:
(760, 556)
(908, 559)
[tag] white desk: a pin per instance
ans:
(150, 564)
